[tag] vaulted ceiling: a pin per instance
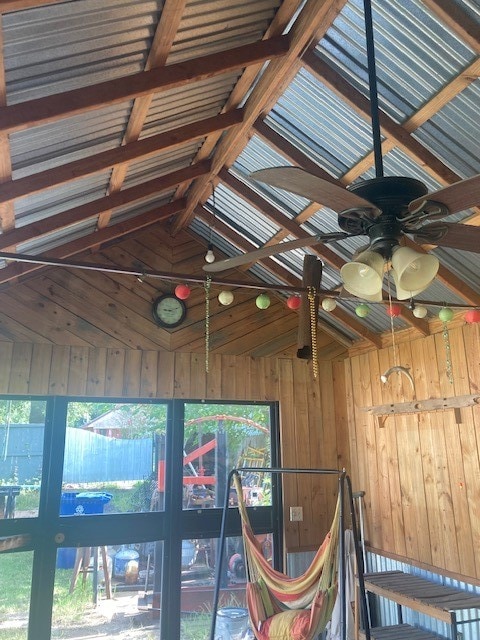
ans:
(129, 129)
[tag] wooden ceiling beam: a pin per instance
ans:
(311, 24)
(62, 105)
(99, 162)
(91, 209)
(102, 236)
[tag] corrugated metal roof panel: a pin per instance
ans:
(259, 155)
(137, 208)
(54, 144)
(408, 41)
(59, 47)
(398, 163)
(56, 239)
(452, 133)
(161, 164)
(464, 264)
(318, 122)
(242, 216)
(190, 103)
(59, 199)
(471, 8)
(212, 27)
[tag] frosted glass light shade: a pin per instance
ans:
(413, 271)
(364, 276)
(404, 294)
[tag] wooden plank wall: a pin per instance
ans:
(313, 420)
(421, 472)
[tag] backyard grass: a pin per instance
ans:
(15, 583)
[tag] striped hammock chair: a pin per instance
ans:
(284, 608)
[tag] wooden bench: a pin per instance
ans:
(424, 596)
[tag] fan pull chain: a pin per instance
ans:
(208, 282)
(392, 328)
(313, 330)
(448, 354)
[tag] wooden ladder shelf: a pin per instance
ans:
(427, 597)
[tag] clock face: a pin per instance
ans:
(169, 311)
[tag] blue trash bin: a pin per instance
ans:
(74, 503)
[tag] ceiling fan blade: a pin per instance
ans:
(456, 197)
(465, 237)
(296, 180)
(270, 250)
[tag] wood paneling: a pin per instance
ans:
(421, 470)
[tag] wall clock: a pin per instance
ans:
(169, 311)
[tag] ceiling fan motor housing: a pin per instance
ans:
(392, 196)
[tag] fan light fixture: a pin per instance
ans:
(412, 273)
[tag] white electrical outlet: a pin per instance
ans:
(296, 514)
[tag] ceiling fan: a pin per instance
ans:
(384, 209)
